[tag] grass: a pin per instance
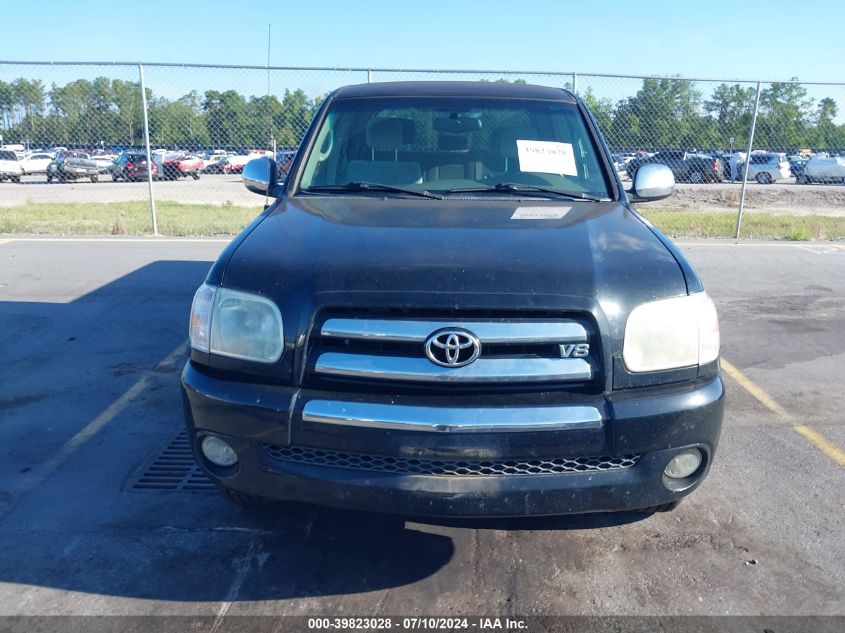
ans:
(176, 219)
(126, 218)
(754, 225)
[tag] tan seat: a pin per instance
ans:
(386, 135)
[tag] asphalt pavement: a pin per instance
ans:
(93, 334)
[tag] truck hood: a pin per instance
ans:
(482, 254)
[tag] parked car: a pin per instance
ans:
(797, 165)
(104, 162)
(131, 165)
(10, 166)
(181, 165)
(283, 160)
(419, 329)
(823, 168)
(767, 167)
(235, 164)
(72, 165)
(36, 163)
(686, 167)
(209, 159)
(215, 165)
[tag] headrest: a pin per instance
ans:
(386, 134)
(452, 142)
(509, 135)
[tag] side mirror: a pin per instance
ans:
(652, 182)
(259, 176)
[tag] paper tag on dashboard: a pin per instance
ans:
(540, 213)
(546, 157)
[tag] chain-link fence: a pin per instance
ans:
(173, 133)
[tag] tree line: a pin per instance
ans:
(673, 113)
(664, 113)
(110, 112)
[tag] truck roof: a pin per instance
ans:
(454, 88)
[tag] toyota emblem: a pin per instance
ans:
(452, 347)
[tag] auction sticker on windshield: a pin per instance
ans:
(546, 157)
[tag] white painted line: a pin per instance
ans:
(757, 244)
(243, 568)
(830, 249)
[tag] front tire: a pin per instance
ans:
(696, 177)
(94, 178)
(195, 175)
(764, 178)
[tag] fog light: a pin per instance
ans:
(684, 464)
(218, 452)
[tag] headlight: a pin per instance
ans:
(236, 324)
(671, 333)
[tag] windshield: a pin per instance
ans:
(441, 144)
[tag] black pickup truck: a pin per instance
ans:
(72, 165)
(451, 308)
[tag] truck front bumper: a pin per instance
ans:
(286, 453)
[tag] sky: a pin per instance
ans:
(699, 38)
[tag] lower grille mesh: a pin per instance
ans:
(416, 466)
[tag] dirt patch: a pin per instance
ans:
(781, 199)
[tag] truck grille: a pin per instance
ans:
(493, 351)
(420, 466)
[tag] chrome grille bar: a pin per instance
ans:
(483, 370)
(451, 419)
(514, 332)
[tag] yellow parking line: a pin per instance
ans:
(43, 471)
(812, 436)
(823, 444)
(746, 383)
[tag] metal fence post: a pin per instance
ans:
(147, 144)
(747, 162)
(369, 76)
(575, 83)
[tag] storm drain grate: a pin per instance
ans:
(173, 468)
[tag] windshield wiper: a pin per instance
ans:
(369, 186)
(512, 187)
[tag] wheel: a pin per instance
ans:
(16, 179)
(94, 178)
(115, 177)
(764, 178)
(665, 507)
(195, 175)
(696, 177)
(802, 180)
(49, 178)
(244, 498)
